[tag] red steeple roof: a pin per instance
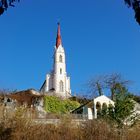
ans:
(58, 38)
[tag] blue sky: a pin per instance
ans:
(99, 37)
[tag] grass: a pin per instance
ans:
(18, 128)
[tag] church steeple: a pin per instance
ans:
(58, 38)
(58, 79)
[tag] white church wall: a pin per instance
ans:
(90, 114)
(103, 99)
(58, 78)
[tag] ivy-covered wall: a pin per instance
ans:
(54, 104)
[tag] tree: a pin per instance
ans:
(124, 101)
(116, 84)
(4, 4)
(123, 109)
(122, 112)
(113, 82)
(136, 98)
(97, 85)
(124, 106)
(135, 5)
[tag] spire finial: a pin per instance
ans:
(58, 38)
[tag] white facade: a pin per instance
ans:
(90, 109)
(101, 100)
(57, 81)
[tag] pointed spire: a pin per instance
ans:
(58, 39)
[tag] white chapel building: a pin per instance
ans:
(57, 81)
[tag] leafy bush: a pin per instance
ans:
(54, 104)
(70, 105)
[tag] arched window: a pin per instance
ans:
(60, 71)
(98, 107)
(104, 106)
(61, 86)
(60, 58)
(104, 109)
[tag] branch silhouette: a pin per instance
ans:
(135, 5)
(4, 4)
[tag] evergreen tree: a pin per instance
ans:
(123, 109)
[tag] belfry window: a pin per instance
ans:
(60, 58)
(61, 86)
(60, 71)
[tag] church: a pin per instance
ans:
(57, 82)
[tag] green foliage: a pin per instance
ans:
(104, 110)
(53, 104)
(81, 100)
(110, 111)
(56, 105)
(70, 105)
(123, 108)
(135, 98)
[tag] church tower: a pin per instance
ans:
(57, 81)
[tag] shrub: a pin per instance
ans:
(18, 128)
(54, 104)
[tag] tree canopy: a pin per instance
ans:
(124, 106)
(113, 82)
(123, 111)
(135, 5)
(4, 4)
